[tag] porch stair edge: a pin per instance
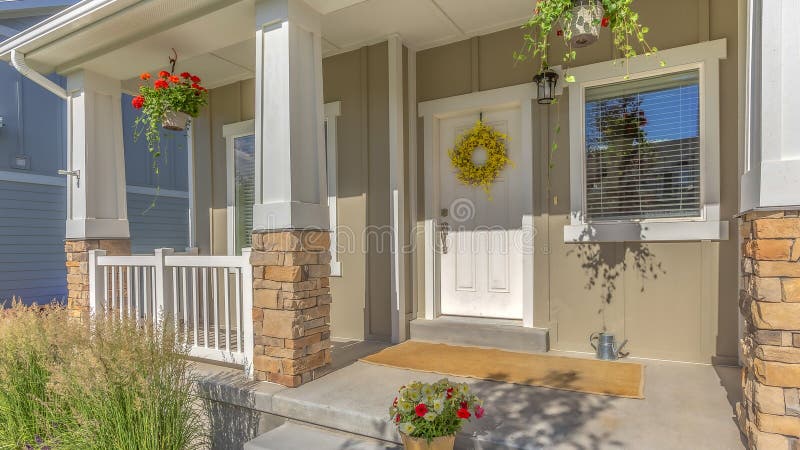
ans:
(493, 333)
(330, 404)
(297, 436)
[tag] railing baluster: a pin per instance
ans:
(238, 308)
(121, 297)
(226, 282)
(137, 293)
(113, 289)
(147, 291)
(185, 302)
(129, 286)
(205, 306)
(195, 305)
(105, 289)
(215, 300)
(175, 286)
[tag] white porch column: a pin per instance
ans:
(397, 189)
(291, 188)
(772, 139)
(291, 247)
(97, 217)
(96, 205)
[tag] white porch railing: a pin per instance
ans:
(209, 297)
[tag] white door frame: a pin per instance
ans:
(432, 112)
(231, 132)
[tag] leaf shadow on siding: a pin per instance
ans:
(605, 266)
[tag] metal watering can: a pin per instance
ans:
(606, 346)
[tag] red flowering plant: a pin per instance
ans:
(167, 94)
(427, 411)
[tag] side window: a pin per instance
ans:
(642, 149)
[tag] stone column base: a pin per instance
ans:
(291, 306)
(77, 251)
(769, 414)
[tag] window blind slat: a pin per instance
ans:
(643, 148)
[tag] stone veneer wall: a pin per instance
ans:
(291, 306)
(78, 269)
(769, 414)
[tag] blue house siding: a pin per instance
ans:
(32, 214)
(32, 242)
(164, 225)
(163, 221)
(33, 199)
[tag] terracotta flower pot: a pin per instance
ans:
(175, 121)
(439, 443)
(585, 23)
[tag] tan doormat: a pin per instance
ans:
(591, 376)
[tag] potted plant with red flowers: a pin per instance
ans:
(169, 102)
(428, 416)
(578, 23)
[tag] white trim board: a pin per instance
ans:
(397, 189)
(147, 190)
(231, 132)
(332, 111)
(32, 178)
(521, 96)
(704, 57)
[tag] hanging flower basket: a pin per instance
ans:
(168, 103)
(175, 121)
(584, 26)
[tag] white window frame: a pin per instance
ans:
(332, 112)
(246, 128)
(230, 132)
(704, 57)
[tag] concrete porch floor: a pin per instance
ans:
(685, 406)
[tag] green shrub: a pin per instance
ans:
(110, 384)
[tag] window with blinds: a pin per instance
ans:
(642, 155)
(244, 183)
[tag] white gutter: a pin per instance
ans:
(18, 61)
(61, 21)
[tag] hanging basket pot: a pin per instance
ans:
(585, 23)
(439, 443)
(175, 121)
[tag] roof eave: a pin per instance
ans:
(58, 25)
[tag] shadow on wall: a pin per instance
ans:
(229, 404)
(557, 417)
(604, 266)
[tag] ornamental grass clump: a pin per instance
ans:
(109, 384)
(427, 411)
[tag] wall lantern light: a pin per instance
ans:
(546, 87)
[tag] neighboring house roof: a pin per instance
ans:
(93, 28)
(18, 15)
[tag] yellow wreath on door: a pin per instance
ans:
(480, 175)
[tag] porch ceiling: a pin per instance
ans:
(421, 23)
(121, 38)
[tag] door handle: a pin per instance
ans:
(444, 229)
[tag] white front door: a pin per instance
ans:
(481, 240)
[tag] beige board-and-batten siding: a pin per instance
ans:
(686, 309)
(359, 80)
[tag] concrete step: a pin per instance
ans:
(296, 436)
(495, 333)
